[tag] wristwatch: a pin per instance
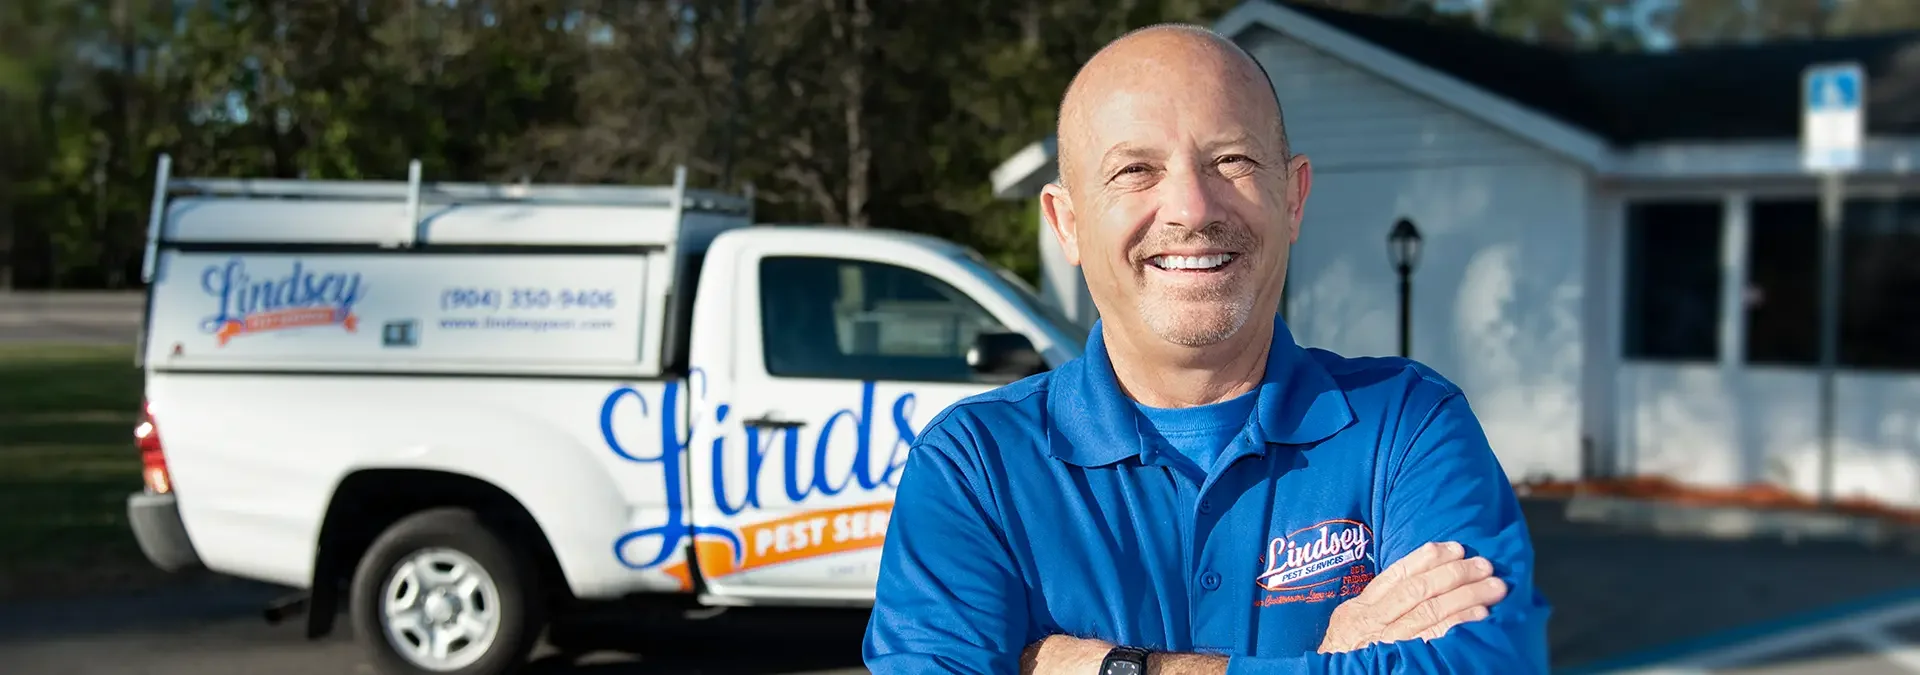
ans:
(1124, 661)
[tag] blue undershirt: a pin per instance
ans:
(1198, 434)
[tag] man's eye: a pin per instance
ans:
(1235, 166)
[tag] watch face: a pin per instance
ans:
(1123, 668)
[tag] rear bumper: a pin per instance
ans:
(156, 523)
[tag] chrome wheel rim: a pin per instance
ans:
(441, 610)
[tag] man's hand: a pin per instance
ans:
(1422, 596)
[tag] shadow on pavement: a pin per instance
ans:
(198, 599)
(740, 641)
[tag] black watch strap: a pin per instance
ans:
(1124, 661)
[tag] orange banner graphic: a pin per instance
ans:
(288, 318)
(808, 535)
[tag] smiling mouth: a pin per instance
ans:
(1192, 263)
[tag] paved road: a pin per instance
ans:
(71, 317)
(1623, 601)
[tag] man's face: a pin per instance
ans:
(1182, 202)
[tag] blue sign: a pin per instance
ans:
(1833, 117)
(1833, 88)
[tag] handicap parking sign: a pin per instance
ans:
(1833, 117)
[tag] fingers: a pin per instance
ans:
(1426, 593)
(1469, 602)
(1403, 597)
(1427, 557)
(1468, 615)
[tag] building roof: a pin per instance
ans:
(1702, 94)
(1594, 108)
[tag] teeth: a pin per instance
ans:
(1191, 262)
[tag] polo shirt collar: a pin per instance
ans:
(1094, 423)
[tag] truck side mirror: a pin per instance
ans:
(1004, 357)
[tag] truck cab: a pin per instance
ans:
(458, 411)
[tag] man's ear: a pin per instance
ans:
(1299, 183)
(1056, 206)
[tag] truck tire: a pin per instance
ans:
(440, 592)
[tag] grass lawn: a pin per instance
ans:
(67, 463)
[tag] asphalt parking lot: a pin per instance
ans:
(1635, 603)
(1879, 635)
(1624, 602)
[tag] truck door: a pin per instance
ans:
(842, 350)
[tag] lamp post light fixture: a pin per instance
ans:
(1403, 250)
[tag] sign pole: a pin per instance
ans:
(1832, 194)
(1833, 126)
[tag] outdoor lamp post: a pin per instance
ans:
(1403, 250)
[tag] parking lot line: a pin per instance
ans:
(1893, 649)
(1861, 621)
(1849, 627)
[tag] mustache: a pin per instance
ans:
(1218, 235)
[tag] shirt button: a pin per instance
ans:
(1206, 506)
(1210, 581)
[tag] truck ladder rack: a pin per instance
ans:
(415, 192)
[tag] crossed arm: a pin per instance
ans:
(1422, 596)
(1449, 488)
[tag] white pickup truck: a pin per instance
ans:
(464, 410)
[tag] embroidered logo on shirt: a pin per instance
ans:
(1303, 565)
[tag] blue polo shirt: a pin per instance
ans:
(1047, 507)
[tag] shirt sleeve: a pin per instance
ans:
(1450, 487)
(950, 598)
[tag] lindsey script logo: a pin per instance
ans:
(1303, 558)
(658, 545)
(301, 298)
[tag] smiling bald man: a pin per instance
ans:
(1198, 493)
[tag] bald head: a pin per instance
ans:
(1150, 55)
(1179, 197)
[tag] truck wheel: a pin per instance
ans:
(440, 592)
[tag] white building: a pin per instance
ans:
(1621, 250)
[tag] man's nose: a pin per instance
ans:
(1190, 197)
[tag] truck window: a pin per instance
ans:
(832, 318)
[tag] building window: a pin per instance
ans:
(1880, 284)
(1782, 296)
(1673, 281)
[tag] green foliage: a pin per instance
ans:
(869, 113)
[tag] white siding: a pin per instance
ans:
(1708, 425)
(1499, 294)
(1347, 119)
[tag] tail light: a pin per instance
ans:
(153, 457)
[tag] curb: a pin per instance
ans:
(1741, 522)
